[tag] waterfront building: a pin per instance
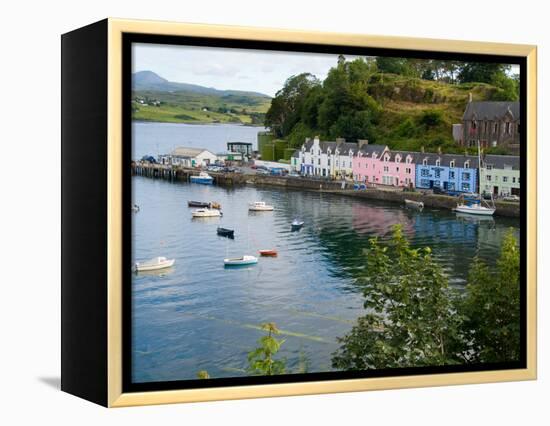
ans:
(295, 161)
(244, 148)
(499, 175)
(448, 172)
(367, 166)
(188, 157)
(493, 124)
(330, 159)
(229, 156)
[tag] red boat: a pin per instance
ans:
(271, 252)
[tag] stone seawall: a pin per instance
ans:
(430, 200)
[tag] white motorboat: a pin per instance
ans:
(475, 208)
(206, 213)
(414, 204)
(259, 206)
(153, 264)
(296, 224)
(203, 178)
(240, 261)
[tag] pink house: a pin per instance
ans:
(376, 164)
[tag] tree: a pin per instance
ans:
(261, 360)
(411, 319)
(492, 306)
(286, 107)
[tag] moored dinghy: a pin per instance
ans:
(414, 204)
(259, 206)
(225, 232)
(206, 213)
(268, 252)
(197, 204)
(240, 261)
(296, 224)
(154, 264)
(203, 178)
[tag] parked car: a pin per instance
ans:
(513, 198)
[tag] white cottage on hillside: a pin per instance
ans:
(189, 157)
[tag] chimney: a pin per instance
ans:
(422, 149)
(439, 150)
(316, 140)
(362, 142)
(470, 98)
(340, 141)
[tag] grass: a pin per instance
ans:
(187, 107)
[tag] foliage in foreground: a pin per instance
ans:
(415, 319)
(261, 361)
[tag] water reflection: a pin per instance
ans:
(200, 315)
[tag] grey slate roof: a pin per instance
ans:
(187, 152)
(490, 110)
(445, 159)
(295, 154)
(368, 150)
(500, 161)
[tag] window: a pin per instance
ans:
(467, 164)
(474, 125)
(488, 177)
(408, 170)
(329, 161)
(452, 164)
(425, 172)
(397, 159)
(466, 187)
(424, 183)
(319, 161)
(425, 162)
(508, 128)
(489, 167)
(513, 180)
(505, 178)
(386, 169)
(437, 173)
(466, 176)
(397, 169)
(438, 162)
(496, 128)
(386, 158)
(408, 160)
(451, 175)
(485, 126)
(473, 142)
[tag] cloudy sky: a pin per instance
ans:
(235, 69)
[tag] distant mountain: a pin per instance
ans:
(150, 81)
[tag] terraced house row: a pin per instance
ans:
(378, 165)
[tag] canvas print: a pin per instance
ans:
(300, 213)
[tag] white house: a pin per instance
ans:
(189, 157)
(331, 159)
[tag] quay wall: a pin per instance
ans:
(159, 171)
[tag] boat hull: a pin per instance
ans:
(241, 261)
(480, 211)
(154, 267)
(202, 180)
(229, 233)
(268, 253)
(197, 204)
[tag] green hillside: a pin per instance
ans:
(188, 107)
(416, 112)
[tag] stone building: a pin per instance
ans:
(493, 124)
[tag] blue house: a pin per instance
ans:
(448, 172)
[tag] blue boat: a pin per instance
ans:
(203, 178)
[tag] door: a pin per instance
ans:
(495, 190)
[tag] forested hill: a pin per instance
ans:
(406, 104)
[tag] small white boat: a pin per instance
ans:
(135, 208)
(414, 204)
(259, 206)
(203, 178)
(296, 224)
(240, 261)
(206, 213)
(153, 264)
(475, 208)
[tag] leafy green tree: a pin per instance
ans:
(261, 361)
(492, 306)
(286, 107)
(410, 320)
